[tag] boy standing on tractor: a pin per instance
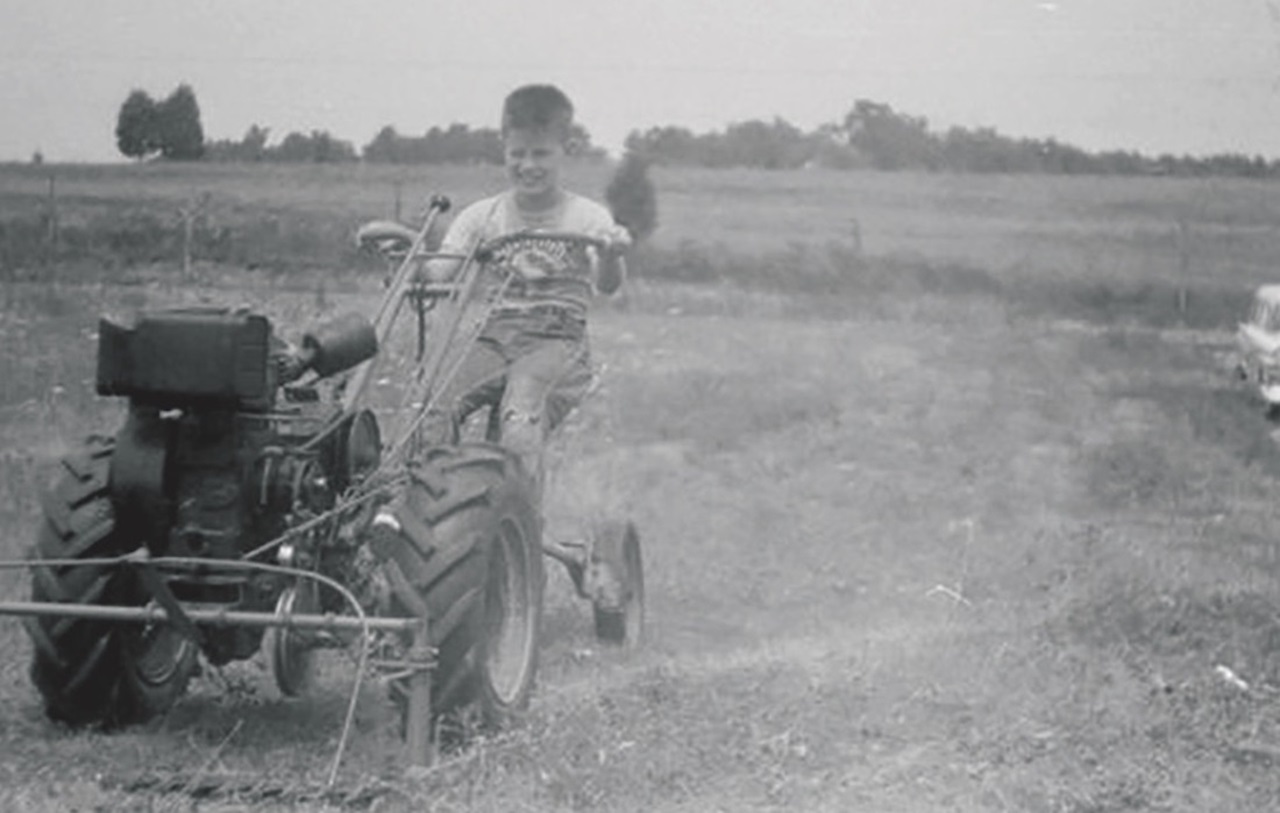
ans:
(531, 362)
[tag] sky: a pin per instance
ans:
(1181, 76)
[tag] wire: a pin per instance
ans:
(350, 598)
(141, 556)
(436, 386)
(359, 498)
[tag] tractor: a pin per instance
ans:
(253, 502)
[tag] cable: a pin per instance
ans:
(141, 556)
(359, 498)
(362, 661)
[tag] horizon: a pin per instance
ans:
(614, 153)
(1183, 77)
(274, 139)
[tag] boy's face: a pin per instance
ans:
(533, 159)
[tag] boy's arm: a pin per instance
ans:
(462, 234)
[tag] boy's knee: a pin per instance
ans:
(524, 433)
(523, 428)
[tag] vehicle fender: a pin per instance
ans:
(140, 486)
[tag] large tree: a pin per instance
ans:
(180, 135)
(171, 127)
(136, 126)
(631, 196)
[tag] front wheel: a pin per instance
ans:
(461, 546)
(617, 573)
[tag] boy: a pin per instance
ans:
(531, 361)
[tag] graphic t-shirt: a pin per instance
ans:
(565, 270)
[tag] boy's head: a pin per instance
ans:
(537, 123)
(538, 107)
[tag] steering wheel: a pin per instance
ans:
(495, 248)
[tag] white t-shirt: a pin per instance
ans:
(568, 272)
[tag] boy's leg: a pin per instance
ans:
(479, 380)
(543, 386)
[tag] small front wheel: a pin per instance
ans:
(616, 576)
(291, 652)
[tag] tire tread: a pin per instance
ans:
(447, 515)
(80, 666)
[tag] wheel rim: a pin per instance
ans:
(508, 615)
(292, 660)
(161, 654)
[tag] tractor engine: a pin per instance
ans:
(223, 450)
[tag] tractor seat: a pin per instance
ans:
(386, 236)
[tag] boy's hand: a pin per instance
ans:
(612, 245)
(617, 240)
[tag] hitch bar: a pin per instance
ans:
(153, 614)
(420, 663)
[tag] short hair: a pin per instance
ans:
(538, 107)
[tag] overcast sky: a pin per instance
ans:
(1156, 75)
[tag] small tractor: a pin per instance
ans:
(251, 504)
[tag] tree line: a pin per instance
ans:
(455, 144)
(871, 135)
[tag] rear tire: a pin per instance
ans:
(462, 546)
(92, 672)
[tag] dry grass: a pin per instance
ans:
(936, 550)
(1106, 244)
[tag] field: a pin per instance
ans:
(954, 509)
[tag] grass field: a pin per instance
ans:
(953, 546)
(1090, 248)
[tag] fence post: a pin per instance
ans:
(1184, 267)
(51, 225)
(193, 210)
(188, 228)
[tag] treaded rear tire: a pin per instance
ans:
(92, 672)
(468, 553)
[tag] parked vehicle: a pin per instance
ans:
(1258, 342)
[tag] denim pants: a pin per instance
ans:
(531, 370)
